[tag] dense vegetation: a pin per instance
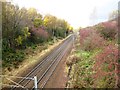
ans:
(22, 28)
(95, 62)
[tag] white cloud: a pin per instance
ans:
(76, 12)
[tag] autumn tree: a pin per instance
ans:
(56, 27)
(22, 28)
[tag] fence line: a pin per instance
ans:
(17, 84)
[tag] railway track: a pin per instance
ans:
(47, 66)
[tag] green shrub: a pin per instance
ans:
(9, 58)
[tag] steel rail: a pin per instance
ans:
(45, 82)
(45, 59)
(56, 55)
(57, 52)
(62, 54)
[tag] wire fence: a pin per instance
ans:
(15, 84)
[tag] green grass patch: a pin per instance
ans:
(83, 69)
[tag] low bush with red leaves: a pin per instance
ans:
(106, 67)
(90, 39)
(39, 34)
(102, 38)
(108, 30)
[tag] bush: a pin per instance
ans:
(39, 35)
(11, 59)
(82, 72)
(90, 39)
(105, 67)
(108, 30)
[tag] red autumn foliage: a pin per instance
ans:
(106, 63)
(84, 33)
(90, 39)
(108, 29)
(40, 32)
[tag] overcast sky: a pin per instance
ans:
(79, 13)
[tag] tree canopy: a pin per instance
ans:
(23, 27)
